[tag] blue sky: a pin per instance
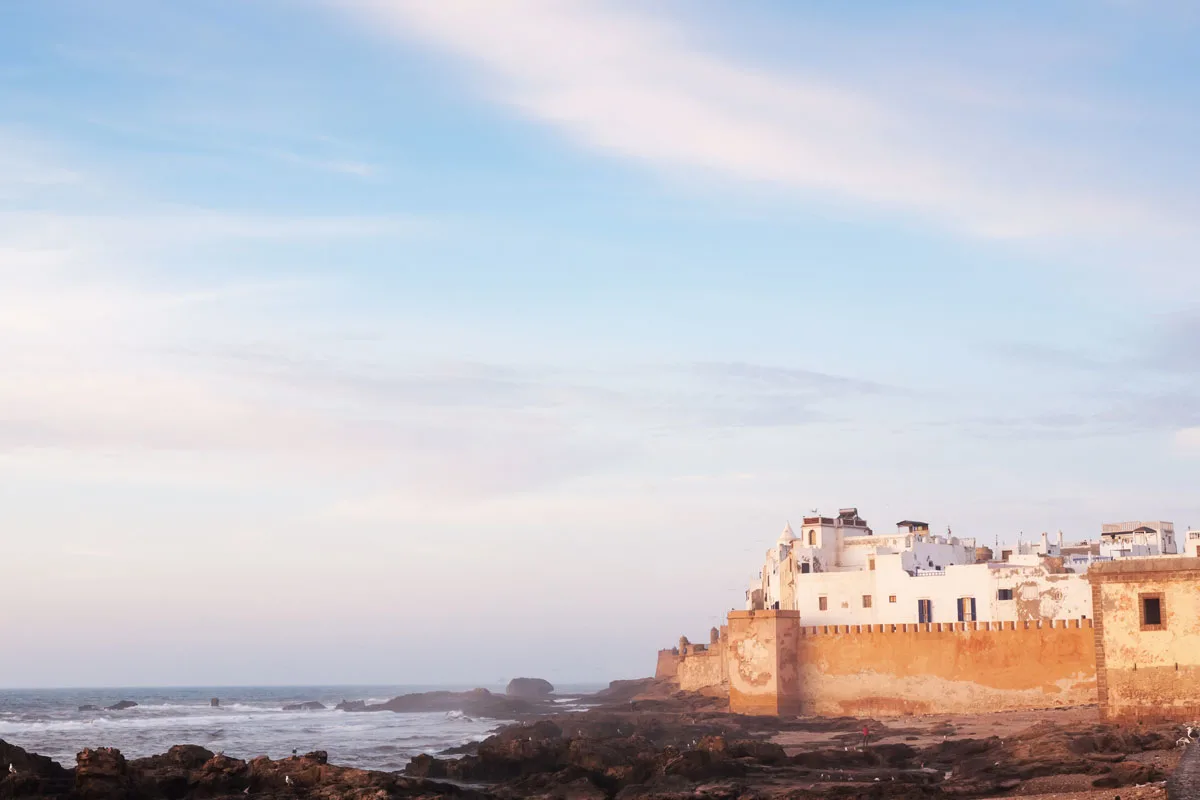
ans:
(416, 342)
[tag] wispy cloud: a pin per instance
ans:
(633, 85)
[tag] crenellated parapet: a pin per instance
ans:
(947, 627)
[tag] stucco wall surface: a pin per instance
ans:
(759, 647)
(1149, 673)
(703, 671)
(918, 669)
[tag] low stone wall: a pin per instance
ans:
(891, 670)
(704, 670)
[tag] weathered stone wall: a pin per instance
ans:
(1148, 672)
(668, 664)
(888, 670)
(763, 668)
(704, 670)
(774, 665)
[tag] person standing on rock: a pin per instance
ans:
(866, 737)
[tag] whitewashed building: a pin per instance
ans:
(1138, 538)
(837, 571)
(1192, 544)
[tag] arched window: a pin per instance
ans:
(812, 538)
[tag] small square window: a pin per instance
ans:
(891, 598)
(866, 601)
(823, 603)
(1004, 594)
(1153, 611)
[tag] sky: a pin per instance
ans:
(388, 341)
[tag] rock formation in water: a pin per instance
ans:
(529, 688)
(476, 703)
(309, 705)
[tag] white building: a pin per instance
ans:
(1191, 545)
(1075, 557)
(1138, 538)
(837, 571)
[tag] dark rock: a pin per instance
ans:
(529, 688)
(33, 775)
(102, 773)
(762, 752)
(476, 702)
(426, 766)
(121, 706)
(308, 705)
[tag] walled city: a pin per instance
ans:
(844, 621)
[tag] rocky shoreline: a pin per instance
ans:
(641, 740)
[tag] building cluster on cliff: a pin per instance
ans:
(845, 621)
(836, 570)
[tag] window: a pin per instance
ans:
(823, 603)
(871, 562)
(966, 609)
(924, 611)
(866, 601)
(1153, 611)
(1004, 594)
(805, 567)
(891, 598)
(812, 538)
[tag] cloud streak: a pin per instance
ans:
(631, 85)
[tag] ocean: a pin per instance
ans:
(249, 722)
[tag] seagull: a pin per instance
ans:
(246, 790)
(287, 779)
(11, 769)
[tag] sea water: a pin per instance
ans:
(249, 722)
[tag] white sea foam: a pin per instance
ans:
(247, 723)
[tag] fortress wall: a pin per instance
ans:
(668, 663)
(763, 669)
(770, 664)
(891, 670)
(703, 670)
(1148, 671)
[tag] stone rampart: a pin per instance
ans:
(774, 665)
(945, 668)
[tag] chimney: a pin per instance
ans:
(1060, 541)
